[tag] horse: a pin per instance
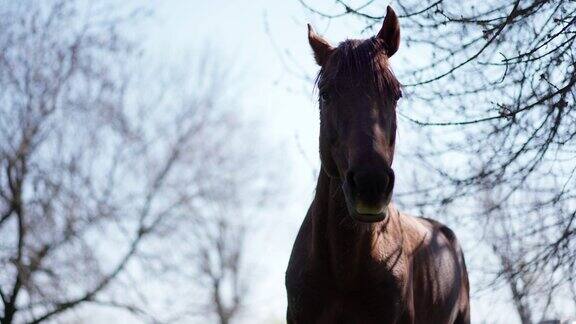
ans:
(356, 258)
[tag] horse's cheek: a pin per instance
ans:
(328, 163)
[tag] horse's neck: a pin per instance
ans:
(350, 247)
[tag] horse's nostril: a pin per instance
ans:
(370, 186)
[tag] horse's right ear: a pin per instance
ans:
(320, 46)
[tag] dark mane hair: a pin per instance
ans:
(363, 60)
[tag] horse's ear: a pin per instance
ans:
(320, 46)
(390, 32)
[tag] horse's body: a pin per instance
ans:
(402, 270)
(356, 258)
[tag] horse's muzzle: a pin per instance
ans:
(368, 194)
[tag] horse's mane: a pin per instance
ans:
(362, 60)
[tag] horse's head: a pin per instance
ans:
(358, 94)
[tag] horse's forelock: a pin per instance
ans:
(361, 60)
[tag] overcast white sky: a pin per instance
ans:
(281, 101)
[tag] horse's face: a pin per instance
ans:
(358, 95)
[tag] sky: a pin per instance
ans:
(266, 40)
(254, 37)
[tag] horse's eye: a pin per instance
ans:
(324, 97)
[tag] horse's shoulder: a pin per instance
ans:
(449, 285)
(444, 229)
(434, 235)
(438, 227)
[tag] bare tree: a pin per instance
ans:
(220, 268)
(492, 86)
(536, 292)
(525, 285)
(98, 166)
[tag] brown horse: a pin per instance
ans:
(356, 258)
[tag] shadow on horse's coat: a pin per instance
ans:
(356, 258)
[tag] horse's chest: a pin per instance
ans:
(366, 303)
(361, 308)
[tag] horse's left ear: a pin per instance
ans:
(390, 32)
